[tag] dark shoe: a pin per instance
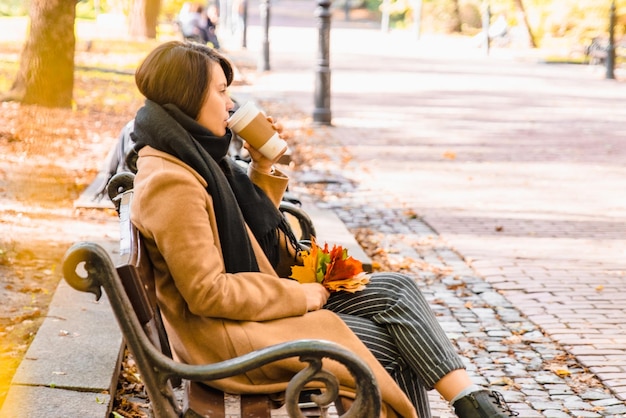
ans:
(483, 404)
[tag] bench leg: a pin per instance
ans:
(203, 401)
(255, 406)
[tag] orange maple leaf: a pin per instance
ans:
(342, 266)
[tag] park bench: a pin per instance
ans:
(129, 286)
(598, 49)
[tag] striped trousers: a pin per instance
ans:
(394, 320)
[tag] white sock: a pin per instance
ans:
(465, 392)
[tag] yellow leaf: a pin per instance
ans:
(562, 372)
(352, 284)
(307, 271)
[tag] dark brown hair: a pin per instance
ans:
(180, 73)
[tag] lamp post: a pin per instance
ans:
(244, 18)
(224, 15)
(384, 19)
(486, 23)
(264, 58)
(417, 18)
(321, 113)
(610, 52)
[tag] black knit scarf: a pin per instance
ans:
(235, 198)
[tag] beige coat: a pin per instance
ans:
(211, 315)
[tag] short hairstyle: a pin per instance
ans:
(179, 73)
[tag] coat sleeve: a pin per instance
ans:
(274, 185)
(172, 209)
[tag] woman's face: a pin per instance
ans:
(217, 103)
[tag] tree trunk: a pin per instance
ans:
(46, 74)
(143, 18)
(519, 4)
(455, 18)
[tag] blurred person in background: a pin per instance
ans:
(198, 24)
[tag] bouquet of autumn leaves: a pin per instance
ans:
(332, 268)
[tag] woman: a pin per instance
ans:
(220, 248)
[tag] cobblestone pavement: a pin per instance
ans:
(503, 348)
(497, 181)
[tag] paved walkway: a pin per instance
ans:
(498, 180)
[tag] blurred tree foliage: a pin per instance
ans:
(13, 8)
(579, 20)
(90, 9)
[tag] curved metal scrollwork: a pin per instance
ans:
(312, 373)
(81, 256)
(305, 224)
(119, 183)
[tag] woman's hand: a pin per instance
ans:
(259, 161)
(316, 296)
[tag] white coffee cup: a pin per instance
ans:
(252, 126)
